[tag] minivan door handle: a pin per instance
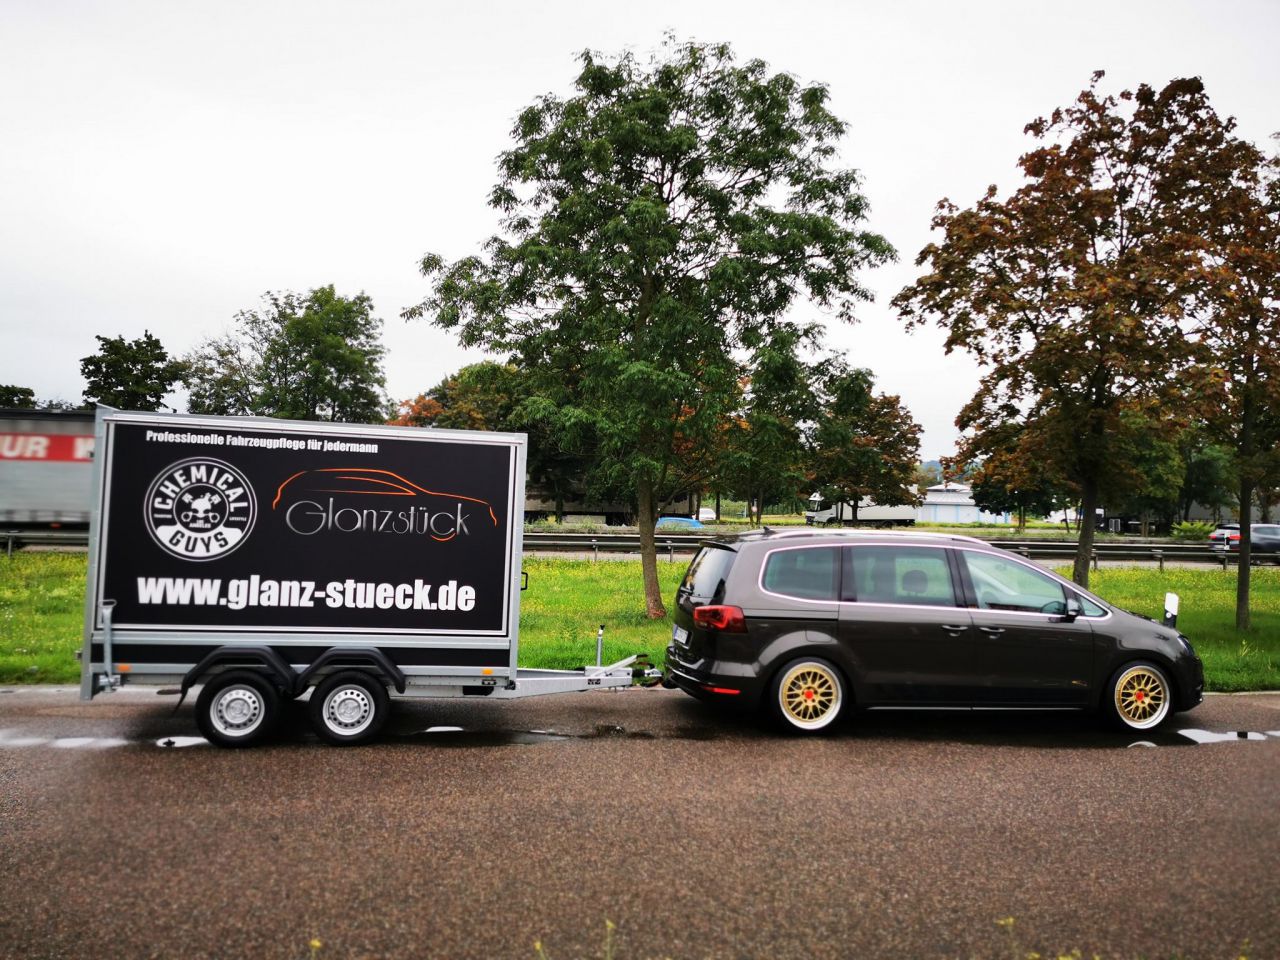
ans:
(954, 627)
(992, 630)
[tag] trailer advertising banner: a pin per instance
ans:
(243, 527)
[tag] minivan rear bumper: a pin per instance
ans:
(712, 680)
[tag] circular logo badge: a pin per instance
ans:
(200, 509)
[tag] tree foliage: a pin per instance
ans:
(657, 224)
(1074, 290)
(496, 396)
(312, 357)
(1008, 480)
(762, 458)
(1237, 378)
(15, 396)
(129, 374)
(863, 444)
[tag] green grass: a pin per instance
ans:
(567, 600)
(41, 616)
(42, 597)
(1232, 661)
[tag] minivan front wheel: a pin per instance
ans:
(808, 695)
(1139, 697)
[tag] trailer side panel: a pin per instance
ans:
(304, 537)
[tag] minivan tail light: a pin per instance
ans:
(719, 617)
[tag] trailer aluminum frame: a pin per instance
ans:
(508, 681)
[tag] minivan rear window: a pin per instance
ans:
(706, 575)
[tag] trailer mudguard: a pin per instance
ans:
(367, 657)
(279, 671)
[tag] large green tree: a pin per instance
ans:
(1237, 377)
(762, 457)
(1073, 291)
(657, 225)
(863, 444)
(312, 357)
(130, 374)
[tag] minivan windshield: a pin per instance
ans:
(705, 577)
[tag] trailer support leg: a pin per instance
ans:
(109, 681)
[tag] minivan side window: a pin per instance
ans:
(1006, 584)
(899, 575)
(809, 573)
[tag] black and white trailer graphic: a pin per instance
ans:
(264, 558)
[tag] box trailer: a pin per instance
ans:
(263, 559)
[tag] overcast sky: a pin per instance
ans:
(164, 164)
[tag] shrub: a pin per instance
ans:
(1192, 530)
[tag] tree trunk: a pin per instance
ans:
(559, 507)
(1088, 518)
(717, 506)
(1246, 553)
(646, 520)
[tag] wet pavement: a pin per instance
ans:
(474, 829)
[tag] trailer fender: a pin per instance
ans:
(368, 658)
(264, 657)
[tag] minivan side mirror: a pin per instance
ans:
(1074, 609)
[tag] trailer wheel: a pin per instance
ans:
(349, 707)
(237, 709)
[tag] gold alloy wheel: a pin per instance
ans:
(1142, 697)
(810, 695)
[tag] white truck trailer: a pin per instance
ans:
(45, 475)
(264, 559)
(824, 513)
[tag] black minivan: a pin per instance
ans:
(808, 624)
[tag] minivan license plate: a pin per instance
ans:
(680, 635)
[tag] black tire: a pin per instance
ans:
(237, 709)
(1138, 698)
(807, 696)
(349, 707)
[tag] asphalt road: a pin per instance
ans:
(698, 834)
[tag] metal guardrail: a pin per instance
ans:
(1147, 551)
(17, 539)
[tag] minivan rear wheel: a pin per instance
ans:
(807, 695)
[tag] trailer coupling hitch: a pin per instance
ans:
(644, 673)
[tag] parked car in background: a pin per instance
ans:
(671, 524)
(809, 623)
(1223, 533)
(1264, 540)
(706, 514)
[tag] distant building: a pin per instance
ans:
(953, 503)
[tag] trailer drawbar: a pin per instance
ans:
(261, 559)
